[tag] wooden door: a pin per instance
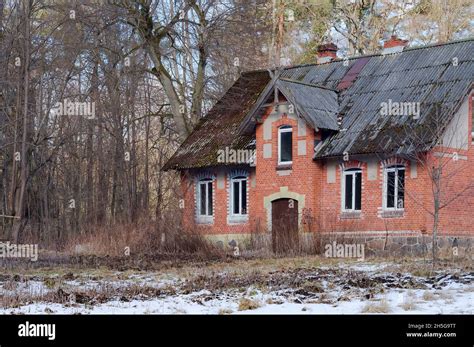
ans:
(284, 225)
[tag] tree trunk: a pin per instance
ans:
(19, 223)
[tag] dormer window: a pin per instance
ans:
(285, 145)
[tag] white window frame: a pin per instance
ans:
(284, 129)
(351, 172)
(241, 180)
(238, 218)
(206, 217)
(396, 169)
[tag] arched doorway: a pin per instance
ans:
(284, 225)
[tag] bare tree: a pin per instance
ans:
(438, 145)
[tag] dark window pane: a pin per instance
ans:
(348, 192)
(286, 143)
(235, 188)
(209, 198)
(391, 189)
(401, 189)
(244, 197)
(202, 198)
(358, 191)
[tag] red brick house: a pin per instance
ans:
(339, 147)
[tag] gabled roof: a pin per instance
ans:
(352, 90)
(219, 128)
(317, 105)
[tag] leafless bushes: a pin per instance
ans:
(114, 240)
(143, 238)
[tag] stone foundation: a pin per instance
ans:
(402, 244)
(375, 243)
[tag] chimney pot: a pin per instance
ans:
(326, 53)
(394, 45)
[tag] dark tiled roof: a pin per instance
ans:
(425, 74)
(318, 106)
(218, 129)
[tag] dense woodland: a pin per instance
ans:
(149, 70)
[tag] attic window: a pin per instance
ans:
(285, 145)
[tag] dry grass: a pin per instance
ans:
(444, 294)
(141, 238)
(224, 311)
(10, 285)
(377, 307)
(408, 305)
(113, 240)
(297, 273)
(248, 304)
(70, 296)
(428, 296)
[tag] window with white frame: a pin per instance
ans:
(285, 145)
(204, 198)
(394, 187)
(352, 190)
(238, 192)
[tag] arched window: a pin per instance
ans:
(285, 145)
(352, 190)
(394, 187)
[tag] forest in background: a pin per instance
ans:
(150, 70)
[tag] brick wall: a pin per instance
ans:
(318, 184)
(220, 223)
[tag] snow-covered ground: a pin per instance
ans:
(357, 288)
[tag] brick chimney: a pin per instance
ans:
(326, 53)
(394, 45)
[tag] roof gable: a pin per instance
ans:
(318, 106)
